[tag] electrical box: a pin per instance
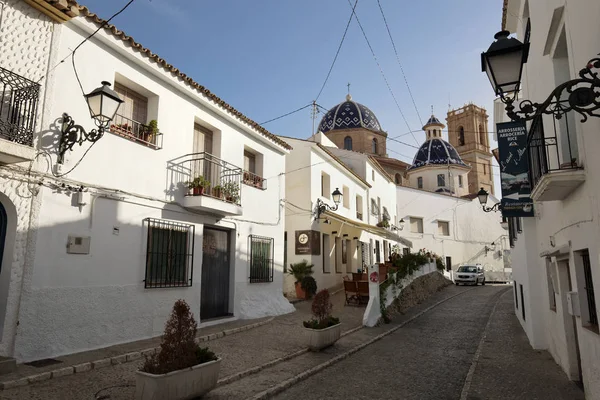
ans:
(78, 245)
(573, 304)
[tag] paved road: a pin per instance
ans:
(430, 359)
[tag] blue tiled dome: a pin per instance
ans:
(433, 120)
(349, 115)
(436, 152)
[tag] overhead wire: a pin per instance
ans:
(381, 70)
(285, 115)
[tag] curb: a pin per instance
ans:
(120, 359)
(306, 374)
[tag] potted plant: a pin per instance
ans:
(181, 369)
(299, 271)
(324, 329)
(383, 224)
(217, 191)
(199, 184)
(232, 191)
(258, 182)
(150, 131)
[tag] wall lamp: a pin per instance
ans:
(103, 103)
(503, 63)
(482, 195)
(322, 206)
(400, 225)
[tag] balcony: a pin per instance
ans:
(554, 168)
(207, 183)
(18, 108)
(137, 132)
(251, 179)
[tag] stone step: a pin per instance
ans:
(7, 365)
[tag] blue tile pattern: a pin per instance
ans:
(349, 115)
(436, 152)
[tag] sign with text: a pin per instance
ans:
(308, 242)
(514, 169)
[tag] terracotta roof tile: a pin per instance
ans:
(84, 11)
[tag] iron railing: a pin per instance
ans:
(589, 289)
(136, 131)
(261, 258)
(213, 177)
(169, 254)
(18, 107)
(552, 151)
(251, 179)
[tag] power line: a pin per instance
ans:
(337, 52)
(399, 63)
(285, 115)
(442, 130)
(381, 70)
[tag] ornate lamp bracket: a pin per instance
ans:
(72, 134)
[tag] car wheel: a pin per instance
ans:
(456, 283)
(483, 282)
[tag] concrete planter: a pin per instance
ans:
(318, 339)
(184, 384)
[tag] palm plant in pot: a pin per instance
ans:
(181, 369)
(324, 329)
(300, 271)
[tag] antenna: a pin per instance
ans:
(314, 112)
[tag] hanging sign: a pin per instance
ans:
(308, 242)
(514, 169)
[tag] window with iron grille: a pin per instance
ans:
(169, 254)
(589, 289)
(18, 107)
(261, 258)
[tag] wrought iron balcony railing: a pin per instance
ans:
(202, 174)
(251, 179)
(552, 150)
(18, 107)
(136, 131)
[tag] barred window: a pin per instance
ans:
(261, 258)
(169, 254)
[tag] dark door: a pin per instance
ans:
(214, 295)
(377, 256)
(3, 225)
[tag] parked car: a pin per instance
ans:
(469, 274)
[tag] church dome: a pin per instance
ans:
(349, 115)
(436, 152)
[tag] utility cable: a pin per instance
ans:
(285, 115)
(338, 51)
(381, 70)
(399, 63)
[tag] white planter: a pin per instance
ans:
(320, 338)
(184, 384)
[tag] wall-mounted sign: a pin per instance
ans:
(514, 169)
(308, 242)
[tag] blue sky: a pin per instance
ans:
(270, 57)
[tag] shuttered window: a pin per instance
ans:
(416, 225)
(261, 259)
(134, 106)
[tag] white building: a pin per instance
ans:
(555, 255)
(98, 255)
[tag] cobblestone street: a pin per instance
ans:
(429, 356)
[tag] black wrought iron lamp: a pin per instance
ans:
(400, 225)
(322, 206)
(503, 63)
(103, 103)
(482, 195)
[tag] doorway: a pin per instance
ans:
(214, 295)
(570, 321)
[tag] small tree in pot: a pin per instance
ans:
(324, 329)
(181, 369)
(299, 271)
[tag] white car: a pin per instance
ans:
(469, 274)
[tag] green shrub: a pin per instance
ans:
(309, 285)
(300, 270)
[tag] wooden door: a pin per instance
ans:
(214, 290)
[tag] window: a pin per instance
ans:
(359, 207)
(482, 135)
(522, 302)
(592, 314)
(373, 175)
(325, 189)
(326, 254)
(374, 208)
(416, 225)
(386, 214)
(285, 250)
(444, 228)
(441, 180)
(131, 121)
(398, 179)
(348, 143)
(249, 162)
(169, 254)
(345, 251)
(261, 259)
(374, 146)
(253, 170)
(461, 136)
(448, 263)
(377, 251)
(484, 169)
(134, 106)
(420, 182)
(346, 196)
(552, 283)
(18, 104)
(460, 181)
(338, 258)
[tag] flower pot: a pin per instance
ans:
(218, 193)
(183, 384)
(317, 339)
(198, 191)
(300, 293)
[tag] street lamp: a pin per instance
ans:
(322, 206)
(482, 195)
(103, 103)
(503, 63)
(400, 225)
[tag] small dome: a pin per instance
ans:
(436, 152)
(349, 115)
(433, 121)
